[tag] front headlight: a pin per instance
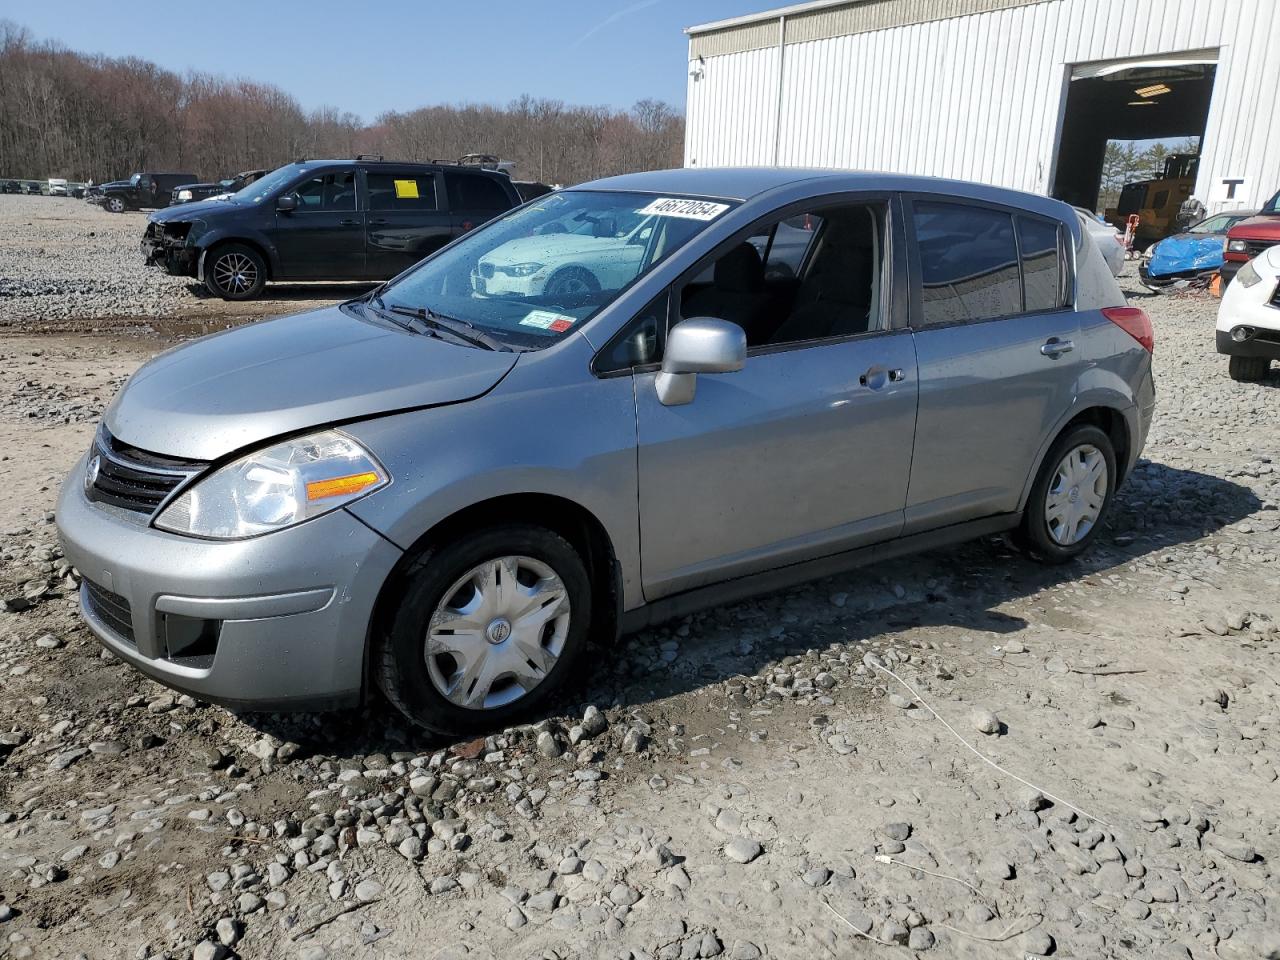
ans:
(184, 194)
(1247, 276)
(276, 488)
(1238, 246)
(520, 269)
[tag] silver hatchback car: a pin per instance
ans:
(610, 406)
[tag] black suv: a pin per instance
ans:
(363, 219)
(140, 190)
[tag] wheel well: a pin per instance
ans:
(237, 241)
(1112, 423)
(568, 519)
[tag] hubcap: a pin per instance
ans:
(235, 273)
(1076, 495)
(497, 633)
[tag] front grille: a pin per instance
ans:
(1257, 247)
(111, 608)
(134, 479)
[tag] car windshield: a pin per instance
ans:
(533, 276)
(1272, 205)
(259, 190)
(135, 179)
(1219, 224)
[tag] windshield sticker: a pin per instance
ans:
(406, 189)
(687, 209)
(546, 320)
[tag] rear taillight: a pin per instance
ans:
(1135, 323)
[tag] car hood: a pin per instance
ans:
(1186, 251)
(553, 246)
(1264, 227)
(194, 210)
(234, 389)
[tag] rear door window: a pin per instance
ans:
(968, 263)
(1038, 240)
(402, 191)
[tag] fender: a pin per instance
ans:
(237, 234)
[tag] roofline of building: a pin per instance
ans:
(765, 15)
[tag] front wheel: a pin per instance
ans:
(572, 282)
(116, 205)
(1071, 496)
(235, 272)
(1248, 369)
(487, 627)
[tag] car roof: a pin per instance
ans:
(747, 183)
(433, 164)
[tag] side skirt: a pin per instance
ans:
(731, 591)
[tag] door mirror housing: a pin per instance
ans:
(286, 202)
(699, 345)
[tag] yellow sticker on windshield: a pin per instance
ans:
(406, 189)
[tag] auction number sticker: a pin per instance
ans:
(688, 209)
(546, 320)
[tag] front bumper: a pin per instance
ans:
(1153, 282)
(277, 622)
(1264, 343)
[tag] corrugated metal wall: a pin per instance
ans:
(980, 97)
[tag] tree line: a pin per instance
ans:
(1124, 163)
(80, 116)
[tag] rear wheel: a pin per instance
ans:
(1249, 369)
(235, 272)
(1071, 496)
(487, 627)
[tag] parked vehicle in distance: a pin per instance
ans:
(1110, 244)
(1156, 202)
(10, 186)
(57, 187)
(150, 190)
(442, 495)
(1249, 317)
(189, 192)
(1250, 238)
(1195, 253)
(324, 220)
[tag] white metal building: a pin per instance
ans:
(1019, 93)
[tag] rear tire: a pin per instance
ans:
(1071, 497)
(507, 662)
(234, 272)
(1249, 369)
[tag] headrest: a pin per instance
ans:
(740, 270)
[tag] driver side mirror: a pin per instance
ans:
(700, 345)
(286, 203)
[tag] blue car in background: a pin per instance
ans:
(1196, 252)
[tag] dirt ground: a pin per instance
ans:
(803, 775)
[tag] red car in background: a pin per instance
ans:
(1248, 238)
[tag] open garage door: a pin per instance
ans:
(1163, 97)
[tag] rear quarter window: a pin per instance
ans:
(473, 193)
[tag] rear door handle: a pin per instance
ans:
(378, 223)
(1053, 347)
(876, 377)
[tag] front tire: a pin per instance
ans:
(235, 272)
(1071, 497)
(116, 205)
(487, 628)
(1248, 369)
(572, 282)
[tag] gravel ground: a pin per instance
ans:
(767, 779)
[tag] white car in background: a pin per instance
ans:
(57, 187)
(1109, 243)
(1249, 317)
(574, 255)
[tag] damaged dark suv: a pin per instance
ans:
(363, 219)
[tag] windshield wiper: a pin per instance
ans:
(438, 321)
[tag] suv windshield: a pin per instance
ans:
(538, 273)
(1272, 205)
(259, 190)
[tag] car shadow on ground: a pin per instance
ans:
(1160, 507)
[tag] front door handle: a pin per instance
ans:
(876, 377)
(1053, 347)
(378, 223)
(348, 223)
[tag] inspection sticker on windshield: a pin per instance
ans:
(688, 209)
(546, 320)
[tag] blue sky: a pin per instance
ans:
(379, 55)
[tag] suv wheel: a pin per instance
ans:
(487, 627)
(116, 204)
(235, 272)
(1071, 496)
(1248, 369)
